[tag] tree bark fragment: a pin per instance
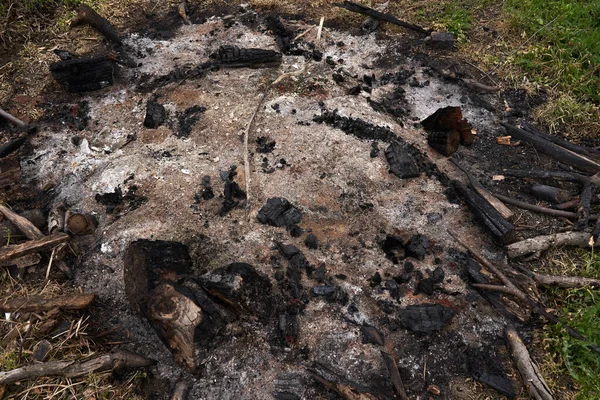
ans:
(541, 243)
(11, 252)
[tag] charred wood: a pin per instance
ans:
(553, 150)
(503, 231)
(16, 121)
(486, 194)
(360, 9)
(120, 359)
(235, 57)
(43, 303)
(558, 175)
(446, 143)
(9, 230)
(392, 367)
(83, 74)
(401, 162)
(80, 224)
(539, 209)
(87, 14)
(585, 151)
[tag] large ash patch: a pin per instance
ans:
(323, 291)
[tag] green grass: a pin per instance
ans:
(581, 308)
(564, 52)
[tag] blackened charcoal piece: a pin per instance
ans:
(501, 384)
(288, 327)
(393, 247)
(155, 114)
(375, 279)
(324, 290)
(408, 267)
(319, 273)
(438, 275)
(372, 335)
(264, 145)
(279, 275)
(402, 164)
(283, 36)
(279, 212)
(426, 317)
(287, 250)
(395, 291)
(296, 231)
(311, 241)
(425, 286)
(416, 247)
(355, 126)
(207, 191)
(374, 150)
(235, 57)
(83, 74)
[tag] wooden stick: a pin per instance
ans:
(320, 30)
(555, 151)
(16, 121)
(86, 14)
(559, 175)
(392, 367)
(22, 223)
(534, 381)
(357, 8)
(565, 282)
(585, 151)
(181, 390)
(117, 360)
(541, 243)
(539, 209)
(11, 252)
(510, 288)
(43, 303)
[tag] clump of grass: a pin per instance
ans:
(566, 115)
(581, 308)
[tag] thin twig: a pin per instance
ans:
(50, 263)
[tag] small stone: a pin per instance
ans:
(324, 290)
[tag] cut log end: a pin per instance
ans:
(446, 143)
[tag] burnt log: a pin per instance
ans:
(401, 163)
(585, 151)
(425, 318)
(235, 57)
(10, 171)
(16, 121)
(87, 14)
(503, 231)
(369, 12)
(553, 150)
(446, 143)
(84, 74)
(550, 193)
(450, 119)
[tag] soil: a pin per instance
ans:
(95, 153)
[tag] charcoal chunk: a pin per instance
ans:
(501, 384)
(426, 317)
(155, 114)
(438, 275)
(287, 250)
(324, 290)
(319, 274)
(279, 212)
(425, 286)
(311, 241)
(416, 247)
(296, 231)
(264, 145)
(400, 161)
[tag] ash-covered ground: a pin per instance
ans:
(362, 272)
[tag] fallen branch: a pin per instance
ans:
(541, 243)
(585, 151)
(539, 209)
(181, 390)
(534, 381)
(565, 282)
(11, 252)
(345, 391)
(87, 14)
(22, 223)
(394, 375)
(360, 9)
(559, 175)
(553, 150)
(117, 360)
(509, 288)
(42, 303)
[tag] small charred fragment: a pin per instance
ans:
(155, 114)
(402, 164)
(425, 318)
(84, 74)
(279, 212)
(235, 57)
